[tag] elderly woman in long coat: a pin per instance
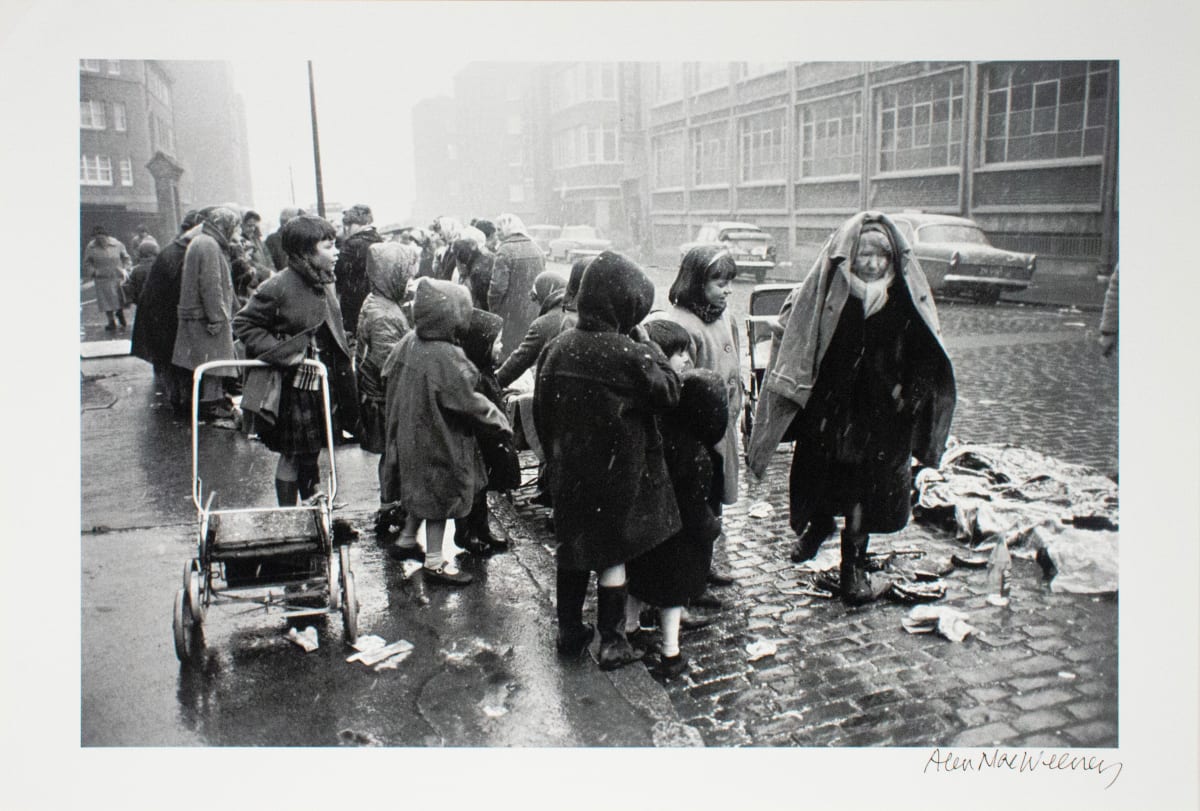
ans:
(599, 391)
(860, 379)
(518, 262)
(106, 261)
(206, 301)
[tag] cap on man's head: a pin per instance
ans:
(357, 215)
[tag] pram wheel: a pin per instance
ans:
(349, 597)
(184, 624)
(194, 584)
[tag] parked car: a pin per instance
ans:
(753, 249)
(542, 234)
(577, 241)
(959, 260)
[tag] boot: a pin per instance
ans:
(464, 537)
(121, 318)
(482, 529)
(855, 584)
(285, 493)
(570, 592)
(819, 528)
(615, 650)
(309, 480)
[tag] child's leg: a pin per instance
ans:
(633, 614)
(437, 569)
(405, 547)
(285, 481)
(121, 316)
(669, 619)
(615, 650)
(308, 474)
(570, 592)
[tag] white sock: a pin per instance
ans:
(668, 620)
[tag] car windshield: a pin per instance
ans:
(952, 233)
(579, 232)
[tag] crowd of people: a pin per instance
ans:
(448, 348)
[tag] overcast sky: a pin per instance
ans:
(364, 115)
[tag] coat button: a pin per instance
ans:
(728, 348)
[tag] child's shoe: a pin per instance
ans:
(670, 667)
(444, 574)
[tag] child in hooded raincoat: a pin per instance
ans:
(433, 416)
(381, 325)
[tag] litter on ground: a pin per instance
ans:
(948, 622)
(760, 649)
(306, 639)
(761, 509)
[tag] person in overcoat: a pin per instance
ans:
(206, 304)
(676, 571)
(274, 240)
(294, 316)
(353, 286)
(518, 262)
(474, 263)
(860, 379)
(599, 389)
(106, 261)
(549, 289)
(434, 415)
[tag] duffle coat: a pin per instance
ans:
(381, 325)
(595, 405)
(518, 262)
(205, 297)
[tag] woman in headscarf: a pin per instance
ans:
(206, 304)
(293, 316)
(106, 261)
(860, 379)
(518, 262)
(474, 263)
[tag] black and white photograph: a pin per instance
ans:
(537, 400)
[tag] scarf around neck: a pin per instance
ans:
(706, 312)
(309, 273)
(872, 294)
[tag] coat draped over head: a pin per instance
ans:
(434, 411)
(812, 316)
(597, 397)
(518, 262)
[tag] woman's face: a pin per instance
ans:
(716, 291)
(873, 256)
(681, 361)
(325, 256)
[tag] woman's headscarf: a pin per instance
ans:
(225, 221)
(449, 229)
(509, 224)
(699, 265)
(546, 283)
(389, 267)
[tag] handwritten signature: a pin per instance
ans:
(1021, 762)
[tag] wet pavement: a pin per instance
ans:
(483, 672)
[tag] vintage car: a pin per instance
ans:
(958, 260)
(753, 249)
(542, 234)
(577, 241)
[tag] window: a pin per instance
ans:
(668, 160)
(584, 145)
(126, 172)
(113, 66)
(157, 86)
(921, 124)
(711, 75)
(761, 138)
(708, 155)
(516, 193)
(95, 170)
(89, 65)
(118, 110)
(161, 136)
(748, 70)
(585, 81)
(91, 115)
(831, 137)
(668, 81)
(1045, 110)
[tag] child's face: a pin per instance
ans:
(681, 361)
(497, 350)
(716, 291)
(325, 256)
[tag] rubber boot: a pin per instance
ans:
(285, 493)
(121, 319)
(819, 528)
(464, 537)
(481, 527)
(570, 592)
(855, 584)
(615, 650)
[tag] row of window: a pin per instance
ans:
(96, 170)
(584, 81)
(94, 115)
(669, 77)
(585, 145)
(1033, 111)
(112, 66)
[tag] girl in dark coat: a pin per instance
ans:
(598, 391)
(481, 345)
(548, 291)
(292, 316)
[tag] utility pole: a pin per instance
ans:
(312, 100)
(292, 183)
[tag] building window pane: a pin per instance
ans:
(1052, 108)
(126, 172)
(760, 138)
(708, 155)
(668, 160)
(118, 116)
(831, 136)
(89, 65)
(95, 170)
(91, 115)
(921, 123)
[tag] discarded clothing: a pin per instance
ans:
(1078, 561)
(949, 622)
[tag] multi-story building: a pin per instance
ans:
(1028, 149)
(156, 138)
(435, 182)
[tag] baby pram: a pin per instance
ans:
(765, 303)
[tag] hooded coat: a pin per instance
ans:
(597, 396)
(108, 264)
(518, 262)
(353, 284)
(205, 297)
(381, 325)
(811, 381)
(434, 411)
(676, 570)
(499, 454)
(157, 318)
(544, 328)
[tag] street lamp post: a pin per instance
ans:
(312, 101)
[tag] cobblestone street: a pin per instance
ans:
(1041, 671)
